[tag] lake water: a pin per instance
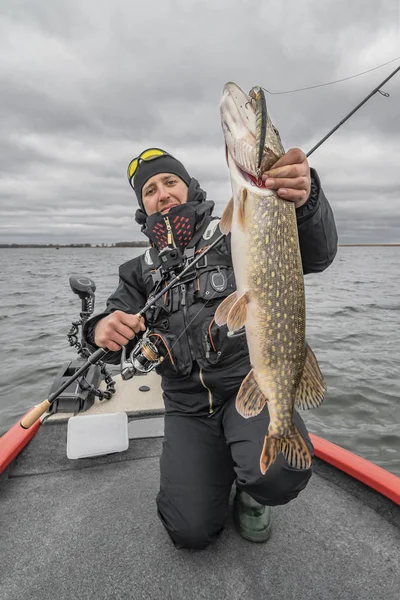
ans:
(353, 314)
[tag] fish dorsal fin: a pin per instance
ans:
(221, 314)
(311, 389)
(225, 223)
(250, 400)
(238, 313)
(241, 209)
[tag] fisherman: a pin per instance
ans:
(207, 445)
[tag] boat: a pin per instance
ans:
(79, 518)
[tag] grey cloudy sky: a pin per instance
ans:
(86, 85)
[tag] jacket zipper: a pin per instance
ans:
(170, 237)
(210, 337)
(210, 398)
(183, 302)
(207, 344)
(171, 242)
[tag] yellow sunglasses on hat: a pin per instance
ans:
(146, 155)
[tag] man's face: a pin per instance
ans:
(163, 191)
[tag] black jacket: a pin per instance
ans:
(183, 319)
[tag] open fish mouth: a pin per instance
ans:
(241, 132)
(248, 178)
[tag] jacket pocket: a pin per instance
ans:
(174, 362)
(215, 284)
(218, 345)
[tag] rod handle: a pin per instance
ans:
(35, 414)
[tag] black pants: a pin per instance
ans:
(203, 454)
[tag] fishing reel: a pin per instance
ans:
(144, 357)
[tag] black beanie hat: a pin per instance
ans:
(148, 168)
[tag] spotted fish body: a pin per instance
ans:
(270, 299)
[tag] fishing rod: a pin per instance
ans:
(101, 353)
(354, 110)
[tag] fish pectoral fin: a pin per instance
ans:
(238, 313)
(225, 223)
(311, 390)
(293, 447)
(250, 400)
(221, 314)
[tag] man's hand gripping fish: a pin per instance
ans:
(270, 299)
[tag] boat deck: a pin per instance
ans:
(89, 529)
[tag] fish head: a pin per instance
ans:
(239, 125)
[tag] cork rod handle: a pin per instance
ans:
(35, 414)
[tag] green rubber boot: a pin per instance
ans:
(252, 520)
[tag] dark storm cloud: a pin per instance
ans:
(86, 86)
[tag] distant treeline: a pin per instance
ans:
(143, 244)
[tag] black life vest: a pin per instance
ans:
(183, 319)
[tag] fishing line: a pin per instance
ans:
(374, 91)
(312, 87)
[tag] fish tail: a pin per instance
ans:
(292, 446)
(271, 449)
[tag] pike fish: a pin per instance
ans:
(270, 299)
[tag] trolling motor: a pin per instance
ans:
(85, 288)
(79, 396)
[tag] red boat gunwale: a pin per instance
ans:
(384, 482)
(15, 439)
